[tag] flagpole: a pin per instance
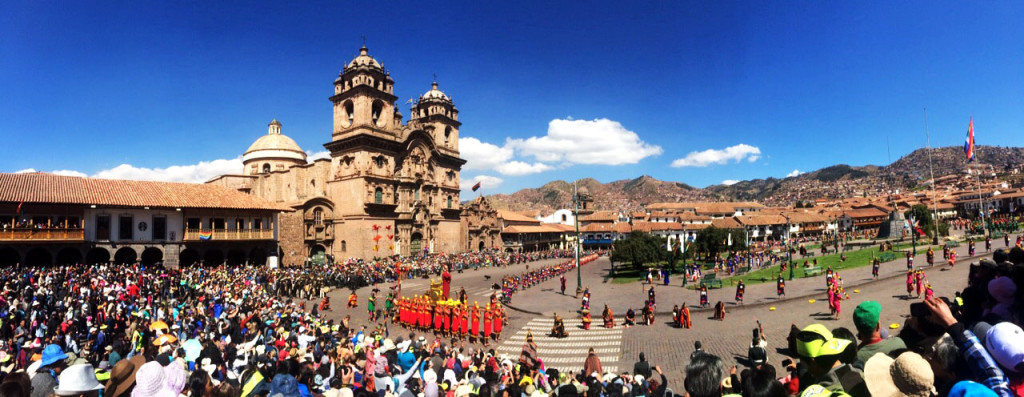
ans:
(931, 170)
(981, 207)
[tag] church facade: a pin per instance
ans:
(387, 188)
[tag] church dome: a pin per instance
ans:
(435, 93)
(364, 60)
(274, 145)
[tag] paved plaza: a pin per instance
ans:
(533, 310)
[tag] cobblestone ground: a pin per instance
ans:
(667, 346)
(670, 347)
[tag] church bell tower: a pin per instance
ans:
(364, 99)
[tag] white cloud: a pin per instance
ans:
(194, 173)
(730, 182)
(486, 182)
(517, 168)
(705, 158)
(191, 173)
(311, 155)
(794, 173)
(598, 141)
(490, 157)
(69, 173)
(482, 155)
(58, 172)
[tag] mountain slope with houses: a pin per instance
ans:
(836, 181)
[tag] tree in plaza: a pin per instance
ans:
(923, 216)
(712, 240)
(674, 255)
(639, 248)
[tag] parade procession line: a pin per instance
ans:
(572, 349)
(554, 351)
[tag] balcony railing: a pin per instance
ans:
(227, 235)
(32, 234)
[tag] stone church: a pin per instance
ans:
(388, 188)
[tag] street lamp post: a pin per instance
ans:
(576, 221)
(913, 236)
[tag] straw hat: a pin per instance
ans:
(907, 375)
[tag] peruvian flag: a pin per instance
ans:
(969, 142)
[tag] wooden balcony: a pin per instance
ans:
(227, 235)
(32, 234)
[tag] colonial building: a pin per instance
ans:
(481, 226)
(50, 219)
(388, 188)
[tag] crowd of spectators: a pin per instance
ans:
(969, 344)
(134, 331)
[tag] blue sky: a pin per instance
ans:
(698, 92)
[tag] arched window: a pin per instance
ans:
(564, 218)
(447, 134)
(449, 202)
(350, 112)
(318, 216)
(378, 196)
(379, 161)
(378, 106)
(266, 168)
(416, 194)
(344, 246)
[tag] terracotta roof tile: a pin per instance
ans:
(601, 216)
(532, 229)
(726, 223)
(39, 187)
(762, 220)
(513, 216)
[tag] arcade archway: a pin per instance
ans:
(236, 257)
(151, 256)
(213, 257)
(9, 256)
(188, 257)
(125, 256)
(69, 256)
(97, 255)
(258, 257)
(38, 257)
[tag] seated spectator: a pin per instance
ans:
(869, 332)
(704, 376)
(819, 352)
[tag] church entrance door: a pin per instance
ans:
(317, 255)
(416, 244)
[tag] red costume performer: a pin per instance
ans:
(437, 318)
(487, 322)
(446, 283)
(498, 319)
(465, 321)
(446, 319)
(475, 322)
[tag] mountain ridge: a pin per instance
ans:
(835, 181)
